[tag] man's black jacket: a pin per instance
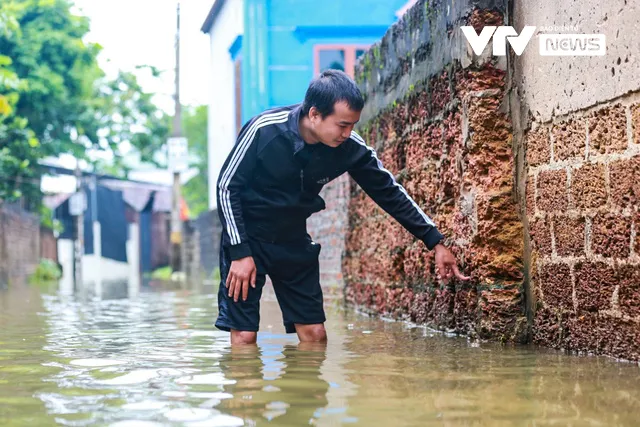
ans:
(271, 181)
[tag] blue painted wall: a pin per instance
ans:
(278, 43)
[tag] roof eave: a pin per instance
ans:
(212, 15)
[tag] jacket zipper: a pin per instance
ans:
(301, 180)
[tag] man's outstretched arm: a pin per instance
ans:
(381, 186)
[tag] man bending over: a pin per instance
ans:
(269, 186)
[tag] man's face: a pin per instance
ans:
(334, 129)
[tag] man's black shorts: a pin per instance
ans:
(295, 273)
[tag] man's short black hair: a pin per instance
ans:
(330, 87)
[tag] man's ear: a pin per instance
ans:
(314, 114)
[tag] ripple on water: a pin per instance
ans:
(211, 395)
(183, 415)
(203, 355)
(136, 423)
(220, 334)
(143, 375)
(216, 378)
(97, 363)
(145, 405)
(134, 377)
(218, 421)
(152, 362)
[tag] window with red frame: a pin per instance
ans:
(337, 57)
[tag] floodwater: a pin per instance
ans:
(156, 360)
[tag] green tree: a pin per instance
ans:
(196, 191)
(59, 71)
(55, 99)
(124, 112)
(18, 143)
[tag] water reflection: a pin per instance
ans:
(268, 378)
(157, 360)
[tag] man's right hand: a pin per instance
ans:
(241, 274)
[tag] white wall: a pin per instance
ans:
(65, 258)
(553, 86)
(133, 256)
(222, 124)
(99, 273)
(99, 270)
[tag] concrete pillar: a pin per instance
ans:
(65, 258)
(97, 252)
(133, 256)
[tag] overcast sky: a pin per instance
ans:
(142, 32)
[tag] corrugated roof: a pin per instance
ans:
(137, 195)
(52, 201)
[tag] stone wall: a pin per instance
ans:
(582, 206)
(19, 244)
(578, 121)
(526, 163)
(438, 118)
(48, 244)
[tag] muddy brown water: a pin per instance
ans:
(157, 360)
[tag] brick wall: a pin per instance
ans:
(19, 244)
(329, 228)
(576, 127)
(205, 236)
(582, 206)
(438, 120)
(160, 233)
(529, 174)
(48, 244)
(191, 253)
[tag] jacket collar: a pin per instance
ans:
(293, 127)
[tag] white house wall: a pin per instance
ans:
(65, 258)
(222, 123)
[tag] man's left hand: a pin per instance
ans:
(446, 264)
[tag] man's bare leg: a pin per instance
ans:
(243, 337)
(311, 333)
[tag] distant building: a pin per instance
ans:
(126, 233)
(265, 52)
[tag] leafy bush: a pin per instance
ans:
(215, 275)
(46, 271)
(162, 273)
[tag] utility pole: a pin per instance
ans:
(97, 235)
(176, 225)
